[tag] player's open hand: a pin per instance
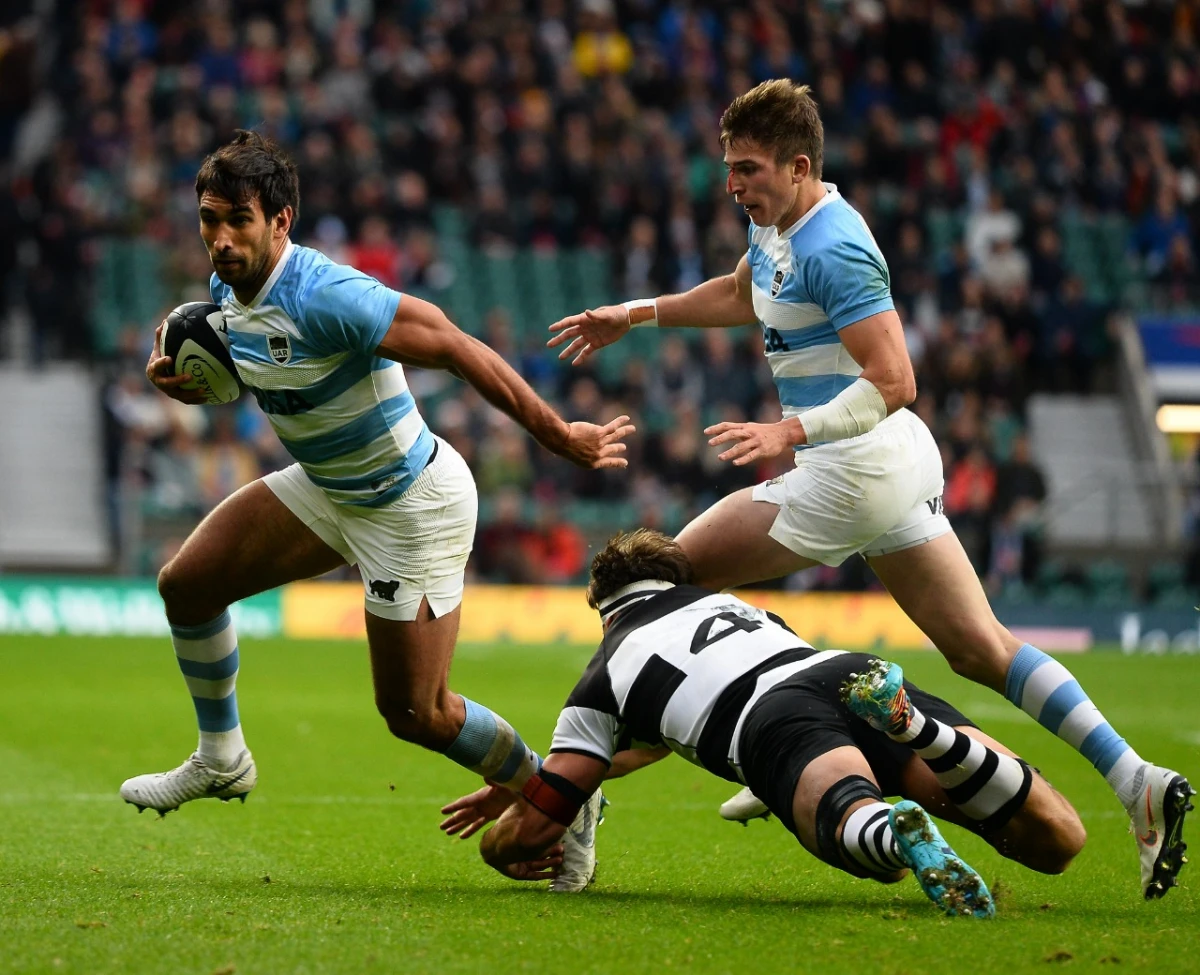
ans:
(163, 378)
(544, 868)
(469, 814)
(596, 447)
(751, 441)
(589, 331)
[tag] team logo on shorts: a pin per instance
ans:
(777, 282)
(280, 347)
(385, 590)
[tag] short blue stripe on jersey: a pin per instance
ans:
(406, 470)
(798, 339)
(354, 435)
(804, 392)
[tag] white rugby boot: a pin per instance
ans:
(579, 848)
(1162, 799)
(165, 791)
(744, 807)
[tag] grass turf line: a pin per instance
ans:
(328, 868)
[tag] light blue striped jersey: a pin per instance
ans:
(305, 347)
(821, 274)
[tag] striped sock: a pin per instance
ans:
(1045, 690)
(489, 746)
(208, 656)
(985, 785)
(867, 839)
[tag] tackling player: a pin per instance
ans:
(868, 474)
(732, 689)
(320, 346)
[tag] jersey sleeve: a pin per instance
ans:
(348, 310)
(590, 723)
(849, 280)
(216, 289)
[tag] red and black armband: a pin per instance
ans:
(558, 797)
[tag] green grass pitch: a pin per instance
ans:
(335, 864)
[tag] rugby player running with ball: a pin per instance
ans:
(320, 346)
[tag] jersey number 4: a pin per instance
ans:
(772, 340)
(705, 638)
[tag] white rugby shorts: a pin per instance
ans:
(874, 494)
(415, 547)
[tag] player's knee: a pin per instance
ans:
(187, 600)
(976, 651)
(1062, 839)
(170, 584)
(424, 723)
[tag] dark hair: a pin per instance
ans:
(633, 557)
(251, 167)
(778, 115)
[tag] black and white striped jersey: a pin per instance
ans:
(679, 666)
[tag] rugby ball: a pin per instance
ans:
(196, 339)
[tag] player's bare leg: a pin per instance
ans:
(841, 818)
(248, 544)
(936, 586)
(730, 544)
(410, 665)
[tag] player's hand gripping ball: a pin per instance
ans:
(195, 337)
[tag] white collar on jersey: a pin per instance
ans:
(831, 194)
(275, 273)
(632, 593)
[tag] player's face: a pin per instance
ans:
(240, 240)
(765, 188)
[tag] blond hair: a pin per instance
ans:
(778, 115)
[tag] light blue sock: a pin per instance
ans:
(208, 657)
(1045, 690)
(488, 746)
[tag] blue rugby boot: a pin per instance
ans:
(947, 881)
(877, 696)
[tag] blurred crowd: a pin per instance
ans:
(553, 124)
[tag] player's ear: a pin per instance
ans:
(283, 222)
(801, 168)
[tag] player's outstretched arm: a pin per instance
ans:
(421, 335)
(158, 372)
(717, 303)
(524, 843)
